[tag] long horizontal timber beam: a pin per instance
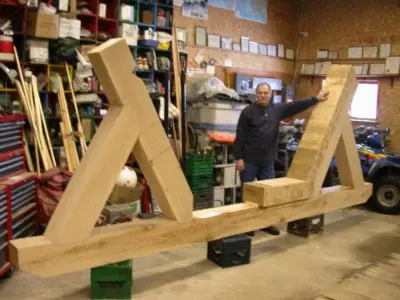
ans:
(146, 237)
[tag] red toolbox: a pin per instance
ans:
(18, 212)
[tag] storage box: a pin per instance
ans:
(230, 251)
(127, 13)
(230, 176)
(221, 115)
(38, 51)
(307, 226)
(113, 281)
(219, 196)
(116, 213)
(147, 17)
(130, 33)
(203, 201)
(43, 25)
(70, 28)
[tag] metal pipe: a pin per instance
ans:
(183, 116)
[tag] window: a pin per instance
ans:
(365, 101)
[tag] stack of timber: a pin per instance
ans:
(30, 100)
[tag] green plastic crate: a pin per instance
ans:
(113, 281)
(199, 162)
(201, 183)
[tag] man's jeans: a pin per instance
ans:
(260, 172)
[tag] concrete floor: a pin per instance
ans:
(284, 267)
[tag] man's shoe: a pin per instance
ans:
(272, 230)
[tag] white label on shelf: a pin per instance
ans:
(102, 10)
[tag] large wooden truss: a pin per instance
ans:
(71, 242)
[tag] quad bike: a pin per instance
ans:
(380, 167)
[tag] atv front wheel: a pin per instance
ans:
(386, 198)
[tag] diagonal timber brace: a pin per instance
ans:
(70, 242)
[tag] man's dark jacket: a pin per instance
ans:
(258, 127)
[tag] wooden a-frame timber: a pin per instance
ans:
(70, 242)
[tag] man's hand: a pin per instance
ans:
(240, 165)
(323, 95)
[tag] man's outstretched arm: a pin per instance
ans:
(293, 108)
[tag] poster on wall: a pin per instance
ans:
(225, 4)
(197, 9)
(252, 10)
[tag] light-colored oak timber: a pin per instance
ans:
(146, 237)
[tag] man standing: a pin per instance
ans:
(256, 143)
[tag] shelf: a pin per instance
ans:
(358, 76)
(144, 71)
(333, 60)
(162, 50)
(88, 40)
(107, 20)
(87, 15)
(126, 22)
(165, 5)
(3, 90)
(389, 76)
(23, 210)
(10, 4)
(224, 165)
(4, 61)
(163, 28)
(42, 64)
(146, 25)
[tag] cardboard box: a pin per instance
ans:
(124, 195)
(127, 12)
(130, 33)
(112, 212)
(43, 25)
(38, 51)
(147, 17)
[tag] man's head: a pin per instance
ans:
(263, 94)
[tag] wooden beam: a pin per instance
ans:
(153, 150)
(322, 136)
(347, 159)
(92, 183)
(275, 192)
(319, 141)
(163, 172)
(82, 139)
(145, 237)
(131, 117)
